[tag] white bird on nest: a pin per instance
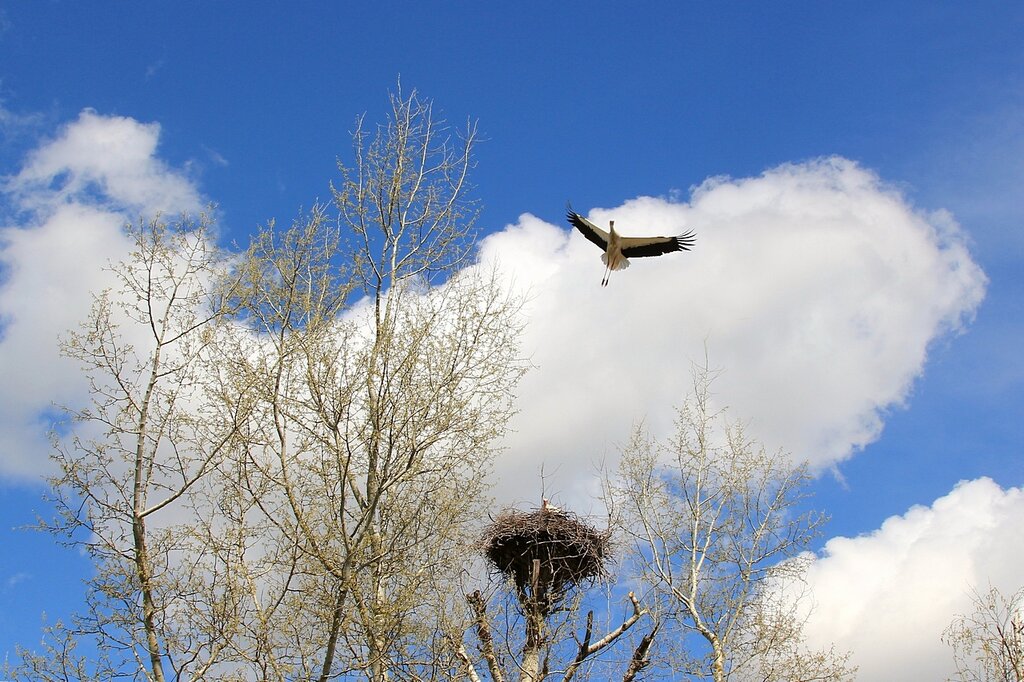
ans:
(618, 249)
(547, 506)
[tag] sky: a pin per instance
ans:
(853, 172)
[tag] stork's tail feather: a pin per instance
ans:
(621, 265)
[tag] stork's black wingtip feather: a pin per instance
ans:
(687, 240)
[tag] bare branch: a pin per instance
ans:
(586, 649)
(640, 659)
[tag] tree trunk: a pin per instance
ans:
(532, 647)
(148, 603)
(534, 612)
(718, 665)
(332, 639)
(142, 563)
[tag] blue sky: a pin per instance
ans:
(600, 104)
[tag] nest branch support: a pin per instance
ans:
(483, 633)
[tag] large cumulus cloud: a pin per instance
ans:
(816, 286)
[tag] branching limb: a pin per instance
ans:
(640, 659)
(587, 649)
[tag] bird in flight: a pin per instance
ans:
(618, 249)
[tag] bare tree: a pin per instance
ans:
(138, 451)
(715, 524)
(379, 368)
(988, 644)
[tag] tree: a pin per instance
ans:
(379, 367)
(715, 526)
(138, 452)
(988, 644)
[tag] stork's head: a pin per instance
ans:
(611, 226)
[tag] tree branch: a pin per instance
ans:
(586, 649)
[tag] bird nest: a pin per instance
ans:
(545, 553)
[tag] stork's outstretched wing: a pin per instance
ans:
(589, 229)
(618, 249)
(639, 247)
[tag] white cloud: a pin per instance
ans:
(816, 286)
(73, 195)
(888, 595)
(103, 159)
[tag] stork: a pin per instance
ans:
(547, 506)
(618, 249)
